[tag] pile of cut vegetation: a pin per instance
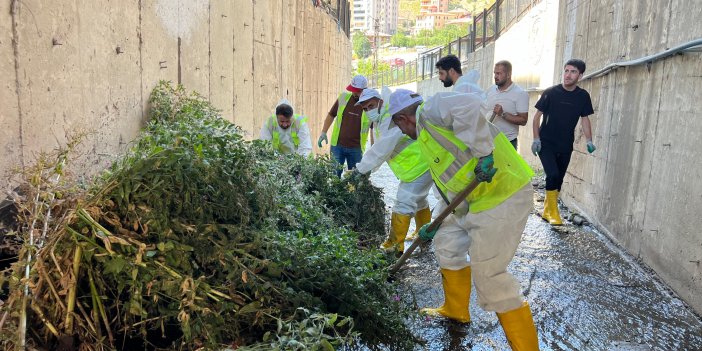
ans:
(198, 239)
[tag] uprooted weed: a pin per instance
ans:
(198, 238)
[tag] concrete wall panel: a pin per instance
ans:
(221, 63)
(51, 74)
(93, 64)
(683, 23)
(194, 44)
(311, 72)
(671, 243)
(645, 178)
(243, 19)
(287, 52)
(10, 117)
(159, 45)
(111, 96)
(265, 91)
(299, 57)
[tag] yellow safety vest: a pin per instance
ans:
(406, 160)
(295, 125)
(452, 169)
(365, 123)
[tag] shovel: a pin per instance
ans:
(436, 223)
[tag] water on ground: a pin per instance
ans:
(585, 294)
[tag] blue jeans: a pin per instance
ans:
(350, 155)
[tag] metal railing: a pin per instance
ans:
(485, 28)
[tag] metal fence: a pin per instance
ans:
(485, 28)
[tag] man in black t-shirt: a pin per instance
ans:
(562, 106)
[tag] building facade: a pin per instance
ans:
(434, 6)
(436, 20)
(368, 13)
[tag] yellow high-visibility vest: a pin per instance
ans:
(406, 160)
(296, 123)
(365, 123)
(452, 170)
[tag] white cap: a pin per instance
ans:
(284, 101)
(401, 99)
(358, 82)
(368, 94)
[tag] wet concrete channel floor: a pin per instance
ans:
(585, 294)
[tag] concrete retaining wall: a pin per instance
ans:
(643, 185)
(91, 65)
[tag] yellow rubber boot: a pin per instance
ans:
(554, 214)
(399, 224)
(519, 328)
(456, 296)
(422, 217)
(547, 207)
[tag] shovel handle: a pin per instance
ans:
(436, 223)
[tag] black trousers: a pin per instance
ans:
(555, 166)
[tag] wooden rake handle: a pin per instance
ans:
(435, 223)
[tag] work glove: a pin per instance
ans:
(355, 176)
(322, 137)
(348, 174)
(426, 234)
(590, 146)
(484, 170)
(536, 147)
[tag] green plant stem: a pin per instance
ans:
(70, 305)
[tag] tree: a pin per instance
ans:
(401, 40)
(365, 67)
(441, 36)
(475, 7)
(361, 45)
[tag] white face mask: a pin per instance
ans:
(373, 115)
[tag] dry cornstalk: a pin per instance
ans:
(43, 318)
(73, 289)
(4, 315)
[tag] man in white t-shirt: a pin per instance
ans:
(509, 102)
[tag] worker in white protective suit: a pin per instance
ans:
(460, 145)
(288, 132)
(461, 83)
(403, 156)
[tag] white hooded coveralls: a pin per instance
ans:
(490, 237)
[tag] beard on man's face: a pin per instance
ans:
(447, 82)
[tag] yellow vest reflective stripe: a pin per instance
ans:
(365, 123)
(452, 170)
(295, 125)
